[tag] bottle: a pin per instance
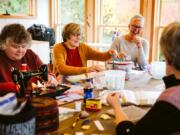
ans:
(88, 90)
(114, 35)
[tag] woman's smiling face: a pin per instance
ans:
(135, 27)
(74, 40)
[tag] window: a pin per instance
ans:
(69, 11)
(14, 8)
(102, 19)
(114, 18)
(167, 12)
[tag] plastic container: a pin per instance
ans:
(115, 79)
(88, 89)
(158, 69)
(121, 65)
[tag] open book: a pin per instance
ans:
(129, 97)
(144, 98)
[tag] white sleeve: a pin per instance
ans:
(143, 54)
(116, 44)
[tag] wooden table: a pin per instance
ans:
(145, 82)
(66, 125)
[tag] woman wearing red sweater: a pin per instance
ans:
(14, 51)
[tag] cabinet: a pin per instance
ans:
(41, 48)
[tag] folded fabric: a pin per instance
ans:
(8, 104)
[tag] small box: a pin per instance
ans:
(93, 104)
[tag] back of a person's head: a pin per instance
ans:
(137, 17)
(70, 29)
(14, 33)
(170, 44)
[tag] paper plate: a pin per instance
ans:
(75, 78)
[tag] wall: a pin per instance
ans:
(43, 12)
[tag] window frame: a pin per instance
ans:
(56, 19)
(100, 25)
(150, 9)
(31, 14)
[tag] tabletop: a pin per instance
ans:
(142, 82)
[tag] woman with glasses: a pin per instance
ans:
(132, 45)
(70, 57)
(164, 117)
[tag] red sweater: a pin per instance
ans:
(73, 57)
(6, 84)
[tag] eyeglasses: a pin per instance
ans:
(136, 27)
(17, 46)
(77, 34)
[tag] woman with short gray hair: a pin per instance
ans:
(131, 45)
(164, 117)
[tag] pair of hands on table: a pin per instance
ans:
(98, 68)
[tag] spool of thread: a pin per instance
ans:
(24, 67)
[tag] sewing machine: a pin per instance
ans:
(22, 78)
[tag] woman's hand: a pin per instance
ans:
(113, 99)
(113, 53)
(52, 81)
(138, 42)
(122, 55)
(95, 68)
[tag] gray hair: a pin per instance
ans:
(137, 17)
(170, 44)
(14, 33)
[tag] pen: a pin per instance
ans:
(75, 122)
(62, 96)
